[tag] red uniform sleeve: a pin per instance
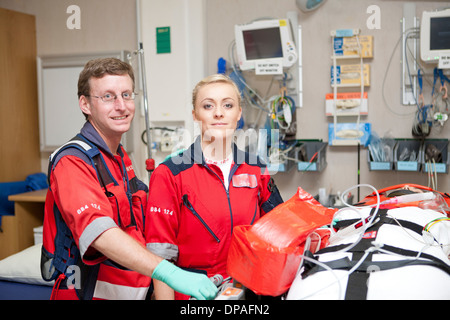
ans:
(163, 210)
(82, 202)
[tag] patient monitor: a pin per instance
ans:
(265, 40)
(435, 35)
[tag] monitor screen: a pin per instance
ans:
(440, 33)
(263, 44)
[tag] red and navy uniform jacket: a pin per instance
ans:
(87, 196)
(191, 214)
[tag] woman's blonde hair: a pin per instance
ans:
(215, 78)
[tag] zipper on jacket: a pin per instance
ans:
(232, 171)
(256, 207)
(188, 205)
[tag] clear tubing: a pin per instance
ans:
(410, 198)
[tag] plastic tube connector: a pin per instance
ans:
(410, 198)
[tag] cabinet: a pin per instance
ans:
(19, 123)
(18, 229)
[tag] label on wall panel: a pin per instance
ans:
(444, 61)
(163, 40)
(269, 66)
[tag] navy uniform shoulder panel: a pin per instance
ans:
(179, 163)
(193, 155)
(72, 152)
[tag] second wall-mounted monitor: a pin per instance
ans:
(435, 35)
(265, 40)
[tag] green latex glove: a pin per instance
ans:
(190, 283)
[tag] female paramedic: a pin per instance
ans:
(197, 197)
(94, 243)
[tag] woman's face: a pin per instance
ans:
(218, 111)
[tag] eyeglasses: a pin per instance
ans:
(126, 96)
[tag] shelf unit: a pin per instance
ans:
(353, 137)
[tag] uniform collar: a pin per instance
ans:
(89, 132)
(239, 156)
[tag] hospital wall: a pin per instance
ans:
(106, 26)
(394, 118)
(110, 25)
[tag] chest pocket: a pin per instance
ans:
(245, 181)
(127, 202)
(196, 211)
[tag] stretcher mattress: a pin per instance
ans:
(407, 282)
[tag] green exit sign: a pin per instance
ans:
(163, 40)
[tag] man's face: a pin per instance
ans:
(111, 119)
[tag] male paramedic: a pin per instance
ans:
(94, 243)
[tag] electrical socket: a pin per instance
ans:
(166, 144)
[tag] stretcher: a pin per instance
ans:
(383, 248)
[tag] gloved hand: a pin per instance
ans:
(190, 283)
